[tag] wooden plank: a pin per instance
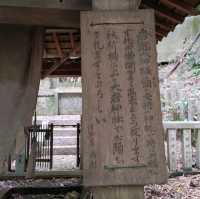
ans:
(57, 45)
(162, 11)
(181, 125)
(55, 67)
(39, 17)
(187, 149)
(20, 164)
(161, 31)
(64, 4)
(182, 6)
(122, 129)
(171, 148)
(198, 149)
(32, 159)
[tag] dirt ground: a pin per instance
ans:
(176, 188)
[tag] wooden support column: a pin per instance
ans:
(123, 141)
(20, 164)
(171, 146)
(198, 149)
(187, 150)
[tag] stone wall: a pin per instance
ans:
(59, 96)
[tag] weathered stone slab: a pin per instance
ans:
(20, 69)
(123, 140)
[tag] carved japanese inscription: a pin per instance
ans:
(122, 126)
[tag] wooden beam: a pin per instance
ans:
(161, 31)
(159, 37)
(164, 24)
(64, 4)
(63, 45)
(55, 67)
(162, 11)
(40, 17)
(57, 45)
(181, 125)
(65, 74)
(179, 5)
(66, 66)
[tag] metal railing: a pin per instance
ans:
(43, 137)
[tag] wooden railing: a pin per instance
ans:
(188, 133)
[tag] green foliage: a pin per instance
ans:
(194, 63)
(198, 8)
(195, 25)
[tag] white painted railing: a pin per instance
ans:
(185, 128)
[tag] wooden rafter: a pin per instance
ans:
(70, 69)
(159, 37)
(57, 43)
(164, 12)
(54, 67)
(179, 5)
(159, 34)
(161, 31)
(165, 25)
(72, 41)
(40, 17)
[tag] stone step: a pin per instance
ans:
(65, 150)
(64, 132)
(60, 122)
(64, 141)
(59, 119)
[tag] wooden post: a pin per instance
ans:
(114, 154)
(198, 149)
(20, 164)
(56, 97)
(32, 160)
(171, 147)
(187, 150)
(187, 141)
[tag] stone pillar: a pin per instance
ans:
(123, 191)
(122, 128)
(20, 67)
